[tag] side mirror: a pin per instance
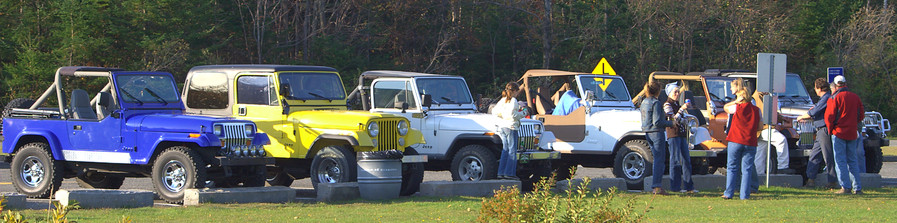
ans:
(426, 101)
(285, 91)
(404, 106)
(116, 114)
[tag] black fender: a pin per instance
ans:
(626, 137)
(463, 139)
(323, 137)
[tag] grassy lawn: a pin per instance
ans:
(773, 204)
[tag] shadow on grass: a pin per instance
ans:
(784, 193)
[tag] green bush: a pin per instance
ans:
(577, 204)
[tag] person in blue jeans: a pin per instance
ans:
(742, 139)
(510, 114)
(822, 146)
(680, 159)
(654, 123)
(842, 117)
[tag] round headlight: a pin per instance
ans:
(218, 130)
(249, 129)
(373, 129)
(403, 127)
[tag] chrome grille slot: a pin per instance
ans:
(806, 131)
(526, 138)
(388, 138)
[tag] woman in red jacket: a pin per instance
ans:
(742, 141)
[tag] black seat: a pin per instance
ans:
(104, 101)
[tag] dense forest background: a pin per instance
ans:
(487, 42)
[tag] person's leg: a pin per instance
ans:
(781, 144)
(686, 164)
(839, 146)
(813, 163)
(762, 153)
(828, 155)
(861, 154)
(733, 169)
(658, 150)
(747, 170)
(512, 153)
(504, 158)
(675, 165)
(852, 166)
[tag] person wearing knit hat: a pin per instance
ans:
(680, 159)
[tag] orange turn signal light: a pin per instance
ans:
(194, 135)
(489, 134)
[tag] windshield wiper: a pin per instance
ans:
(158, 98)
(449, 100)
(319, 96)
(131, 96)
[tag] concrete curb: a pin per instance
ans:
(483, 188)
(867, 180)
(603, 184)
(105, 198)
(276, 194)
(337, 192)
(14, 200)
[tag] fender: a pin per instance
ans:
(628, 136)
(352, 141)
(55, 145)
(143, 154)
(453, 148)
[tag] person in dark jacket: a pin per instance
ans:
(654, 123)
(742, 139)
(822, 147)
(843, 114)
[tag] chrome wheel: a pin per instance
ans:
(32, 171)
(471, 169)
(174, 176)
(633, 165)
(329, 172)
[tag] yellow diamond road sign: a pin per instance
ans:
(604, 68)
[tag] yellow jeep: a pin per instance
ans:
(303, 109)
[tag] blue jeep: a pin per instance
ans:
(133, 126)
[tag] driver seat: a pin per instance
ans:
(80, 105)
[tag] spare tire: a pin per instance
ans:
(15, 103)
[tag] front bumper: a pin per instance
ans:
(242, 161)
(526, 156)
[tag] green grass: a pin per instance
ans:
(773, 204)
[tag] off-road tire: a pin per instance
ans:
(173, 160)
(633, 163)
(412, 175)
(37, 157)
(15, 103)
(277, 177)
(532, 173)
(95, 180)
(474, 163)
(333, 164)
(874, 159)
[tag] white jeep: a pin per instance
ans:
(457, 138)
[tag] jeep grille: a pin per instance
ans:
(806, 131)
(527, 138)
(236, 143)
(388, 139)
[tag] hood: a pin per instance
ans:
(794, 109)
(177, 123)
(336, 119)
(474, 122)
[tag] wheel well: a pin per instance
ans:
(324, 142)
(166, 144)
(29, 139)
(626, 138)
(462, 142)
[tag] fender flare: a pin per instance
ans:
(55, 145)
(453, 148)
(626, 137)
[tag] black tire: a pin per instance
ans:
(34, 172)
(15, 103)
(474, 163)
(333, 164)
(700, 166)
(95, 180)
(633, 162)
(277, 177)
(532, 172)
(172, 161)
(874, 159)
(412, 175)
(562, 170)
(256, 176)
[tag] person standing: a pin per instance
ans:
(742, 139)
(822, 147)
(842, 116)
(653, 123)
(769, 135)
(510, 113)
(680, 160)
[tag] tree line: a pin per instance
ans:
(489, 42)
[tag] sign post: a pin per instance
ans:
(770, 79)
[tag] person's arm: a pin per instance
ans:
(830, 113)
(819, 108)
(861, 112)
(660, 120)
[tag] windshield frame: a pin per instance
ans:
(123, 79)
(336, 92)
(620, 95)
(461, 90)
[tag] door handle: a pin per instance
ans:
(241, 111)
(77, 127)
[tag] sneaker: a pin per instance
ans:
(724, 197)
(659, 191)
(843, 191)
(810, 183)
(858, 192)
(833, 185)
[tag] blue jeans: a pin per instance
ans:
(659, 153)
(507, 163)
(846, 163)
(740, 169)
(861, 154)
(680, 164)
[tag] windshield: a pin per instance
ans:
(794, 88)
(445, 90)
(605, 88)
(146, 89)
(719, 90)
(313, 86)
